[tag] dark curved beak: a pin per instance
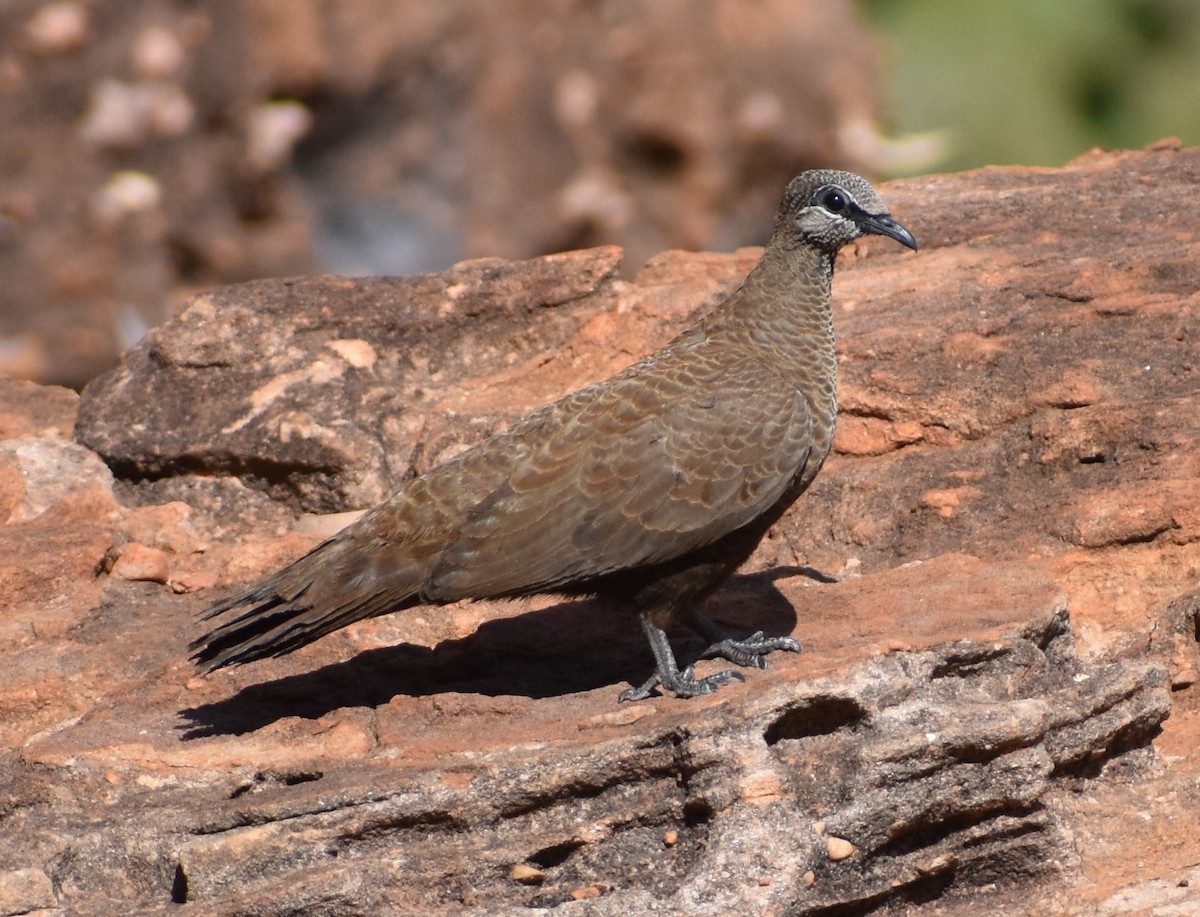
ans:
(883, 225)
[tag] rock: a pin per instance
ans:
(1033, 461)
(137, 562)
(191, 580)
(526, 874)
(59, 27)
(50, 471)
(838, 848)
(336, 420)
(954, 745)
(1176, 897)
(36, 410)
(994, 579)
(24, 891)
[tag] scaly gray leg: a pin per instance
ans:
(667, 674)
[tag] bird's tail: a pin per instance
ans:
(323, 591)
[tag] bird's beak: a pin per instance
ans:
(883, 225)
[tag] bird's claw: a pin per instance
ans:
(749, 651)
(682, 684)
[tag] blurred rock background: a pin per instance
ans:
(152, 148)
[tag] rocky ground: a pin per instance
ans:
(996, 580)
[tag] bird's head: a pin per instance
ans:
(827, 209)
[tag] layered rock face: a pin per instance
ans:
(995, 579)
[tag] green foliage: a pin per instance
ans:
(1037, 82)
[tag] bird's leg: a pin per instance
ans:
(749, 651)
(667, 674)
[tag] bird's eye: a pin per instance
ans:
(833, 200)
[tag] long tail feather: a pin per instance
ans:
(312, 597)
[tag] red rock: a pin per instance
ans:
(26, 891)
(1012, 509)
(12, 488)
(138, 562)
(182, 581)
(946, 502)
(872, 436)
(36, 410)
(52, 472)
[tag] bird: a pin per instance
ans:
(648, 489)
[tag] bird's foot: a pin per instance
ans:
(749, 651)
(683, 684)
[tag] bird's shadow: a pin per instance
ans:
(571, 647)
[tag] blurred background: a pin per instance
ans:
(153, 148)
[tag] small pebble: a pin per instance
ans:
(624, 716)
(125, 194)
(127, 115)
(936, 865)
(526, 874)
(139, 563)
(588, 891)
(185, 581)
(576, 98)
(325, 525)
(156, 53)
(59, 28)
(273, 130)
(1183, 671)
(117, 115)
(171, 110)
(838, 848)
(761, 115)
(358, 353)
(671, 838)
(810, 879)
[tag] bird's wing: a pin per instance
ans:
(638, 471)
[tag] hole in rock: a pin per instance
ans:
(262, 779)
(179, 886)
(297, 777)
(555, 854)
(817, 716)
(971, 665)
(697, 812)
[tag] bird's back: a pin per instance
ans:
(695, 441)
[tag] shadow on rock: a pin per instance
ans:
(570, 648)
